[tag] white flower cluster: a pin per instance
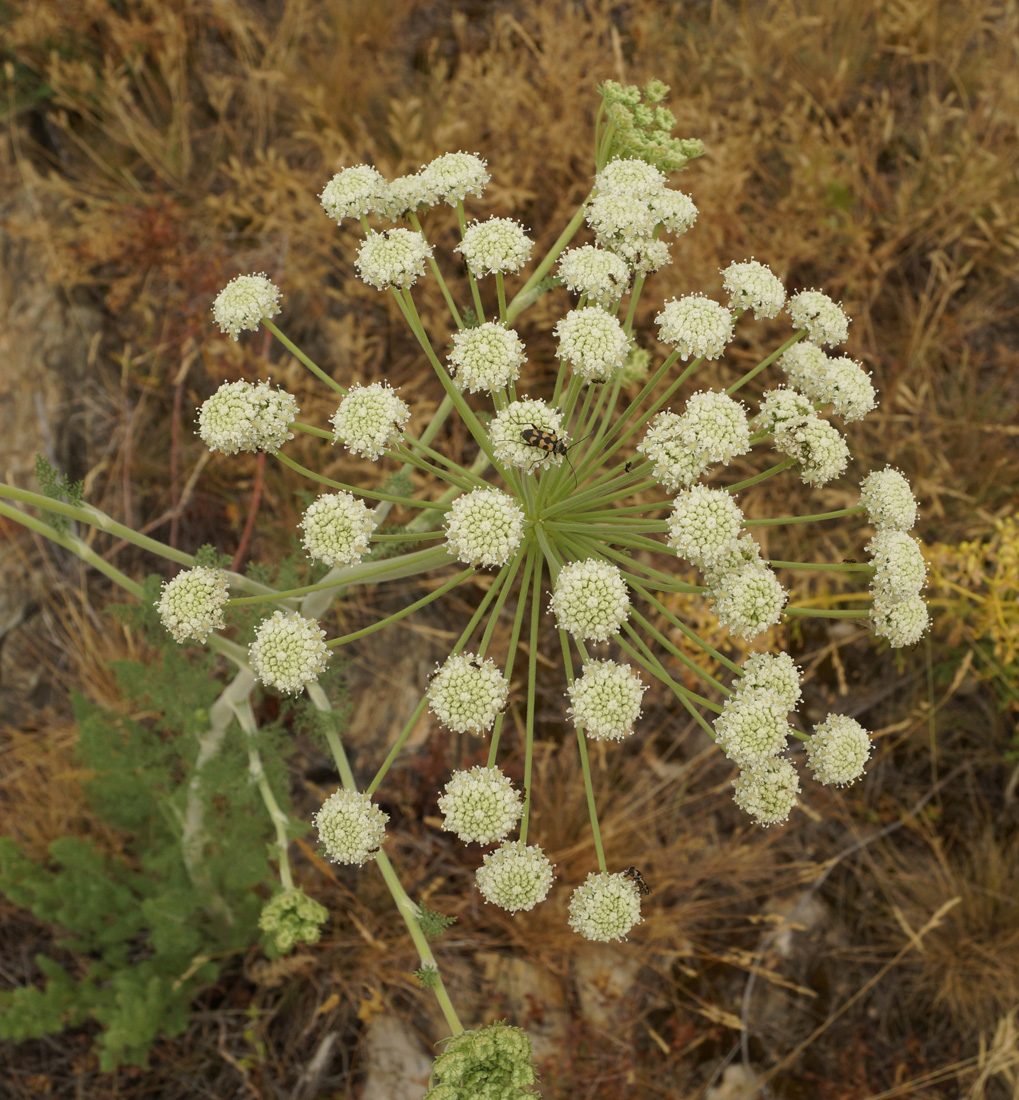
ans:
(753, 726)
(484, 527)
(595, 273)
(593, 342)
(450, 178)
(817, 446)
(509, 424)
(480, 805)
(889, 500)
(466, 694)
(350, 826)
(899, 612)
(704, 526)
(395, 257)
(768, 792)
(605, 907)
(245, 302)
(695, 326)
(486, 358)
(753, 285)
(748, 599)
(605, 700)
(191, 605)
(516, 876)
(838, 751)
(289, 651)
(241, 416)
(822, 318)
(337, 528)
(590, 600)
(354, 192)
(498, 245)
(369, 419)
(840, 382)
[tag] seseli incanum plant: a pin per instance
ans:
(600, 494)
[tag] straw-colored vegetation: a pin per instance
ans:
(870, 149)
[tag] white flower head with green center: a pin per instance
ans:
(902, 623)
(450, 178)
(350, 827)
(674, 210)
(488, 1063)
(704, 525)
(753, 285)
(675, 463)
(241, 416)
(290, 918)
(888, 499)
(806, 370)
(369, 419)
(191, 605)
(775, 671)
(509, 424)
(822, 318)
(617, 217)
(337, 528)
(353, 192)
(839, 750)
(595, 272)
(486, 358)
(516, 876)
(783, 409)
(753, 727)
(900, 571)
(484, 527)
(818, 447)
(395, 257)
(593, 342)
(606, 700)
(715, 426)
(245, 302)
(402, 195)
(480, 805)
(643, 255)
(745, 552)
(605, 907)
(768, 792)
(631, 177)
(289, 651)
(467, 694)
(590, 600)
(496, 245)
(748, 600)
(849, 389)
(695, 326)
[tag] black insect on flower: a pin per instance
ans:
(547, 440)
(639, 880)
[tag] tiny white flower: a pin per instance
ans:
(595, 272)
(838, 751)
(695, 326)
(818, 447)
(495, 245)
(593, 342)
(823, 319)
(753, 285)
(899, 567)
(509, 424)
(606, 699)
(783, 409)
(350, 826)
(849, 389)
(590, 600)
(630, 177)
(240, 416)
(748, 600)
(704, 525)
(768, 792)
(369, 419)
(902, 623)
(605, 907)
(191, 605)
(516, 876)
(485, 358)
(245, 302)
(888, 499)
(337, 528)
(715, 426)
(289, 651)
(354, 191)
(484, 527)
(467, 694)
(394, 257)
(775, 671)
(753, 727)
(674, 209)
(450, 178)
(676, 464)
(480, 805)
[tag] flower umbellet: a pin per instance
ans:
(572, 548)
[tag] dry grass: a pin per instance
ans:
(868, 149)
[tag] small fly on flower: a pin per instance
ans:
(547, 440)
(639, 880)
